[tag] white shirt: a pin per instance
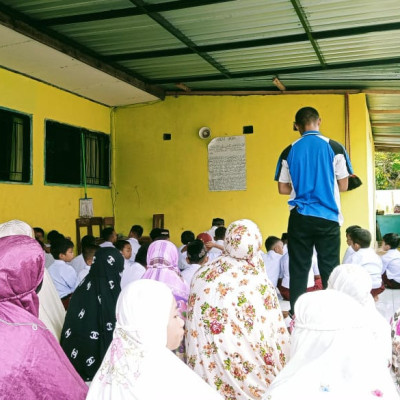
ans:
(368, 259)
(272, 261)
(182, 263)
(64, 277)
(214, 252)
(135, 247)
(347, 256)
(188, 273)
(78, 263)
(391, 264)
(132, 272)
(49, 259)
(284, 271)
(107, 244)
(82, 273)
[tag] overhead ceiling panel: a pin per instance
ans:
(338, 14)
(260, 58)
(236, 21)
(122, 35)
(41, 9)
(385, 118)
(369, 46)
(383, 101)
(171, 67)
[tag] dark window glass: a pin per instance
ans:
(67, 147)
(15, 147)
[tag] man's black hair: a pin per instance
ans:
(60, 245)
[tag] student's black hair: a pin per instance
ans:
(218, 222)
(362, 237)
(392, 239)
(60, 245)
(106, 233)
(159, 234)
(351, 228)
(220, 233)
(305, 116)
(141, 255)
(138, 230)
(53, 235)
(88, 240)
(271, 241)
(196, 251)
(39, 230)
(284, 237)
(120, 244)
(187, 237)
(89, 251)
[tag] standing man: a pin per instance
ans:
(313, 170)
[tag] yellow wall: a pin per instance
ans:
(171, 177)
(50, 207)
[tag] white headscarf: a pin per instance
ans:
(331, 354)
(138, 365)
(355, 281)
(51, 310)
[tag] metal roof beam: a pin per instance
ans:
(293, 70)
(128, 12)
(306, 26)
(163, 22)
(247, 44)
(30, 28)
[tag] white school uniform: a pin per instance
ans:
(78, 263)
(63, 276)
(272, 261)
(135, 247)
(107, 244)
(391, 264)
(368, 259)
(347, 255)
(132, 272)
(284, 271)
(188, 273)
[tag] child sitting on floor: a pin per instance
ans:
(391, 261)
(219, 237)
(135, 270)
(88, 255)
(272, 258)
(186, 238)
(350, 251)
(125, 249)
(63, 275)
(367, 258)
(196, 257)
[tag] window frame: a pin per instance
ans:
(80, 130)
(29, 117)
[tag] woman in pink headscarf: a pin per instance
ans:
(162, 265)
(33, 365)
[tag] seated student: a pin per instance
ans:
(284, 239)
(135, 271)
(272, 259)
(125, 249)
(367, 258)
(196, 257)
(33, 366)
(78, 262)
(332, 355)
(314, 279)
(350, 251)
(88, 255)
(391, 261)
(210, 244)
(186, 237)
(39, 234)
(135, 234)
(139, 363)
(63, 275)
(218, 246)
(159, 234)
(109, 236)
(216, 222)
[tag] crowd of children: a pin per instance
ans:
(83, 289)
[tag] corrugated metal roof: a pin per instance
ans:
(222, 45)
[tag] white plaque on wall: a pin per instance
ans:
(227, 163)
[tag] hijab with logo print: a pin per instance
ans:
(90, 319)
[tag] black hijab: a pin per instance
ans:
(90, 320)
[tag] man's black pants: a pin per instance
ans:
(305, 232)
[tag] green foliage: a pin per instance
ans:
(387, 171)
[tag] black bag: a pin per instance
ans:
(354, 182)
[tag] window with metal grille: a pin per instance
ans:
(75, 154)
(15, 147)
